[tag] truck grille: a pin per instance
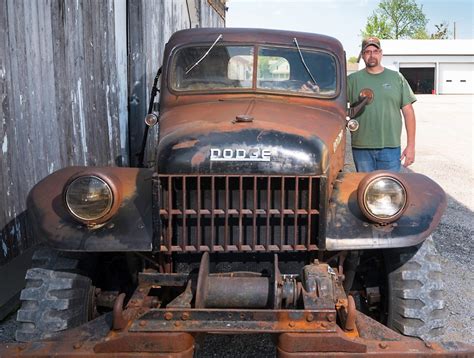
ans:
(232, 213)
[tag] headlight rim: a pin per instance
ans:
(370, 179)
(114, 186)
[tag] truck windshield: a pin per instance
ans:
(279, 69)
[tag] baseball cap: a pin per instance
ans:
(369, 41)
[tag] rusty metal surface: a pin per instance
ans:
(300, 137)
(292, 345)
(96, 340)
(251, 37)
(191, 123)
(347, 227)
(169, 345)
(350, 324)
(129, 229)
(166, 343)
(374, 340)
(238, 213)
(234, 321)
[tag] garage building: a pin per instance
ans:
(432, 66)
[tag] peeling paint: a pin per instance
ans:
(187, 144)
(82, 121)
(5, 144)
(109, 121)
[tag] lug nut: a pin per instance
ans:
(168, 316)
(310, 318)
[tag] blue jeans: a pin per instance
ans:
(368, 160)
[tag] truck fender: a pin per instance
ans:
(130, 228)
(349, 229)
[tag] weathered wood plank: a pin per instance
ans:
(65, 80)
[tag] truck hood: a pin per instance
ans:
(277, 138)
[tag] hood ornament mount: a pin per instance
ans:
(243, 118)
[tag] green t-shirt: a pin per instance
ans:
(380, 124)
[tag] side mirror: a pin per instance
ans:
(366, 96)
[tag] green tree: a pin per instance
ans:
(442, 31)
(377, 26)
(352, 59)
(396, 19)
(421, 34)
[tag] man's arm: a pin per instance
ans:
(410, 125)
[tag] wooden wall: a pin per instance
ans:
(70, 94)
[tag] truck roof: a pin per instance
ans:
(251, 36)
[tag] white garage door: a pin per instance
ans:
(456, 78)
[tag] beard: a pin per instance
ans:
(372, 62)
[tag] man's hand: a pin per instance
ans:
(408, 156)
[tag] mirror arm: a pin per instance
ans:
(352, 112)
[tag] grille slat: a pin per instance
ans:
(239, 213)
(199, 213)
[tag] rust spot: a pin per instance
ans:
(187, 144)
(198, 158)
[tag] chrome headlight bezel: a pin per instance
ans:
(368, 183)
(111, 205)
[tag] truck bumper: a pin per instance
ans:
(98, 338)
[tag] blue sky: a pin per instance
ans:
(342, 19)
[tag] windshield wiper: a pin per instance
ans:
(304, 63)
(203, 56)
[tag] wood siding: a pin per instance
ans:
(70, 94)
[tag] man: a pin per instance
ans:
(377, 143)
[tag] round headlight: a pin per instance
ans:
(89, 198)
(382, 199)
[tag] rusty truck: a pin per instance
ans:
(243, 220)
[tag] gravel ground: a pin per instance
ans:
(445, 153)
(445, 150)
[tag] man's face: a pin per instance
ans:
(372, 56)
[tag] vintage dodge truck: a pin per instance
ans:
(245, 222)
